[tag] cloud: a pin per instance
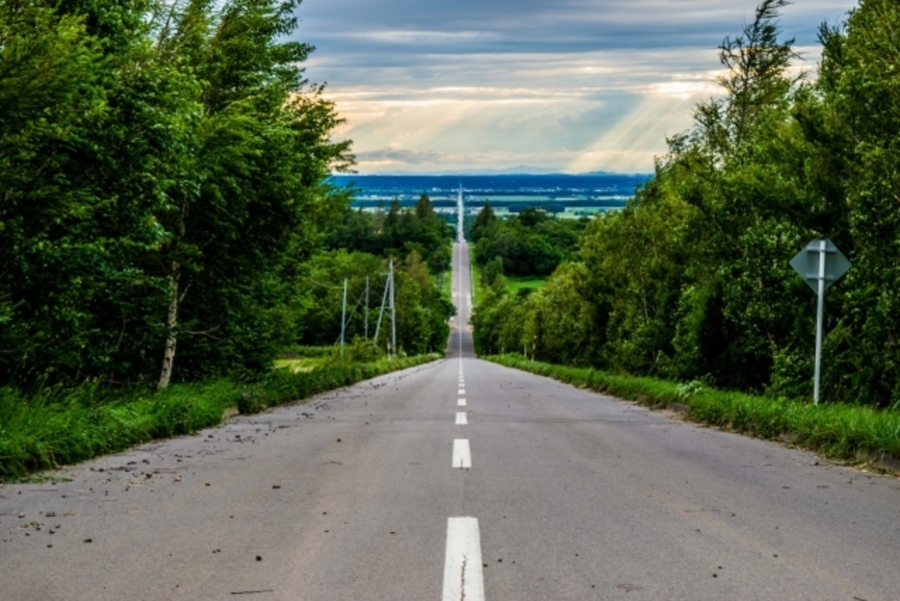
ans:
(400, 155)
(571, 84)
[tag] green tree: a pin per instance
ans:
(262, 152)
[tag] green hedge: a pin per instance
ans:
(54, 427)
(835, 430)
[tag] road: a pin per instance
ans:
(394, 489)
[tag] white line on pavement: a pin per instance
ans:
(461, 402)
(462, 419)
(463, 572)
(462, 391)
(462, 456)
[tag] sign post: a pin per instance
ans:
(820, 264)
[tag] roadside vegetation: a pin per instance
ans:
(840, 431)
(360, 246)
(55, 427)
(170, 229)
(691, 280)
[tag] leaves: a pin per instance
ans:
(692, 281)
(144, 144)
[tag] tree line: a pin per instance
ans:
(691, 280)
(164, 191)
(530, 243)
(360, 248)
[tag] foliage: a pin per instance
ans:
(531, 243)
(159, 165)
(396, 233)
(316, 304)
(691, 281)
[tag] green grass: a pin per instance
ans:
(513, 283)
(56, 427)
(516, 283)
(477, 291)
(301, 365)
(835, 430)
(447, 280)
(308, 352)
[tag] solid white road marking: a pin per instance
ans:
(463, 572)
(462, 419)
(462, 456)
(461, 402)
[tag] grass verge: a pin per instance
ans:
(835, 430)
(476, 289)
(516, 283)
(54, 428)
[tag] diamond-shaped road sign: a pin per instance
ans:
(809, 264)
(806, 262)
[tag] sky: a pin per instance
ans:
(564, 86)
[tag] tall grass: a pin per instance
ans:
(834, 430)
(55, 427)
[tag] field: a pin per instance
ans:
(514, 284)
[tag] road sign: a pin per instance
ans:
(820, 265)
(806, 263)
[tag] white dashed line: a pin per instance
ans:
(461, 402)
(462, 419)
(463, 572)
(462, 456)
(462, 391)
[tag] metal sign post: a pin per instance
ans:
(820, 264)
(820, 318)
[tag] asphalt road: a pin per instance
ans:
(393, 489)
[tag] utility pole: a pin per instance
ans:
(344, 317)
(367, 308)
(381, 312)
(393, 314)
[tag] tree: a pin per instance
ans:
(860, 83)
(159, 165)
(262, 153)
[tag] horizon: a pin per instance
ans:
(578, 86)
(500, 173)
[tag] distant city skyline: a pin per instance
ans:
(565, 86)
